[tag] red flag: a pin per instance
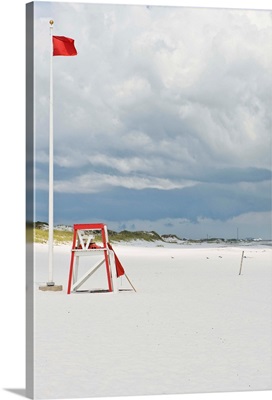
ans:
(63, 46)
(119, 268)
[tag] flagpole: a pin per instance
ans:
(65, 50)
(50, 285)
(51, 170)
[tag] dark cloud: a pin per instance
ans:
(211, 201)
(234, 175)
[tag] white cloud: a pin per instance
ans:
(249, 225)
(98, 182)
(137, 67)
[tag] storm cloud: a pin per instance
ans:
(164, 113)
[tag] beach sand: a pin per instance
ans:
(194, 325)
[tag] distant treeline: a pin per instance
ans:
(38, 232)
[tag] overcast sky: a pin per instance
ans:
(161, 122)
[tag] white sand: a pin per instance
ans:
(193, 326)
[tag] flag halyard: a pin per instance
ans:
(63, 46)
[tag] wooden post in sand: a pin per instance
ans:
(241, 263)
(130, 283)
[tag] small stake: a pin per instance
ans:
(241, 264)
(130, 282)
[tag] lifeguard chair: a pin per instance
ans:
(84, 245)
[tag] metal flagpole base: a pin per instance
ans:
(51, 287)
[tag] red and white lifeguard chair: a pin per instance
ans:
(83, 245)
